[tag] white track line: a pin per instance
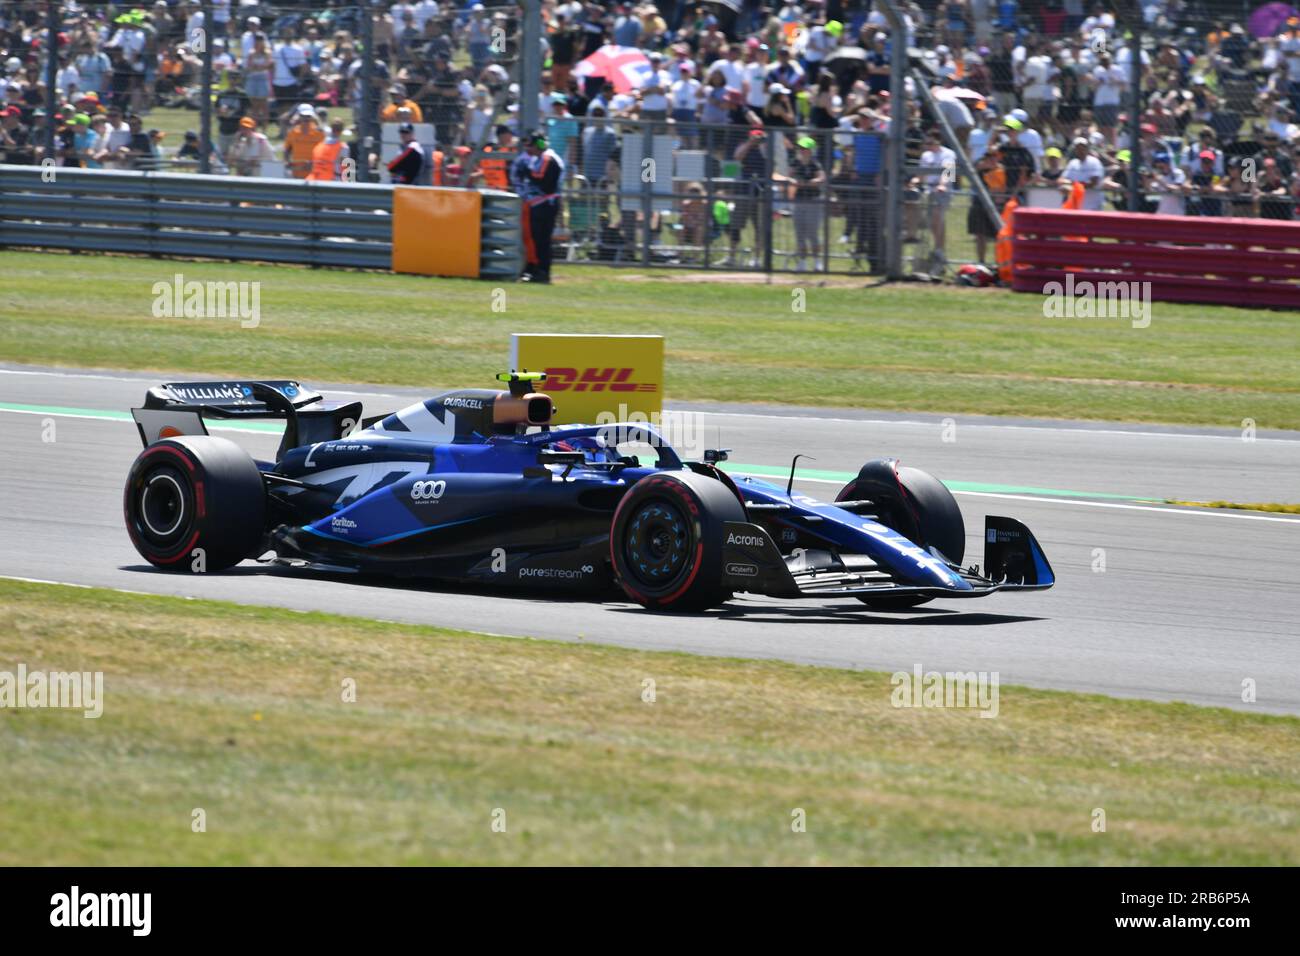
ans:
(91, 587)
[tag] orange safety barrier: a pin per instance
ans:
(1217, 260)
(437, 232)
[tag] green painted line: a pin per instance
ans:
(760, 471)
(59, 410)
(111, 416)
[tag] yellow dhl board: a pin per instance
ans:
(595, 379)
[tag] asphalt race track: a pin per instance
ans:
(1189, 603)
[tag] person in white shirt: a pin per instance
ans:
(684, 96)
(940, 164)
(1040, 92)
(729, 67)
(425, 11)
(249, 37)
(398, 11)
(116, 137)
(220, 16)
(943, 62)
(654, 91)
(1279, 122)
(221, 58)
(69, 81)
(819, 45)
(1087, 169)
(1169, 183)
(684, 104)
(1100, 22)
(977, 143)
(289, 61)
(1109, 83)
(753, 76)
(249, 150)
(620, 104)
(1290, 52)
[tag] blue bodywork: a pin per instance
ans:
(477, 485)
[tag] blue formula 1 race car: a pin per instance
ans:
(478, 486)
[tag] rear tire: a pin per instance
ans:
(666, 541)
(194, 503)
(918, 506)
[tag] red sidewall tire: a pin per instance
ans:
(190, 495)
(689, 560)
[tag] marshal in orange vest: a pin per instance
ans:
(325, 161)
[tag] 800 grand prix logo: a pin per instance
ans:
(595, 379)
(428, 490)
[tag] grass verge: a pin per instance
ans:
(239, 711)
(1274, 507)
(929, 348)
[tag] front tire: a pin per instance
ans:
(194, 503)
(666, 541)
(915, 504)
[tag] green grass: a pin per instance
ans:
(239, 711)
(1270, 506)
(929, 348)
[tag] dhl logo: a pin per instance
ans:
(595, 379)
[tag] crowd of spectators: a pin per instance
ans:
(1037, 92)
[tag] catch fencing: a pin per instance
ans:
(707, 196)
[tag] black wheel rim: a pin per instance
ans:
(164, 506)
(657, 544)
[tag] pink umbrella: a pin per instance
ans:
(1268, 20)
(624, 66)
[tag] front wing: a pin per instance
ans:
(1013, 561)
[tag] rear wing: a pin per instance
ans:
(179, 408)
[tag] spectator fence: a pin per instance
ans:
(659, 193)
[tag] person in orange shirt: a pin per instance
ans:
(492, 170)
(301, 140)
(401, 101)
(329, 155)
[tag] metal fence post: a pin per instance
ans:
(205, 91)
(365, 107)
(896, 158)
(763, 227)
(824, 199)
(710, 196)
(647, 188)
(1135, 114)
(51, 74)
(530, 64)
